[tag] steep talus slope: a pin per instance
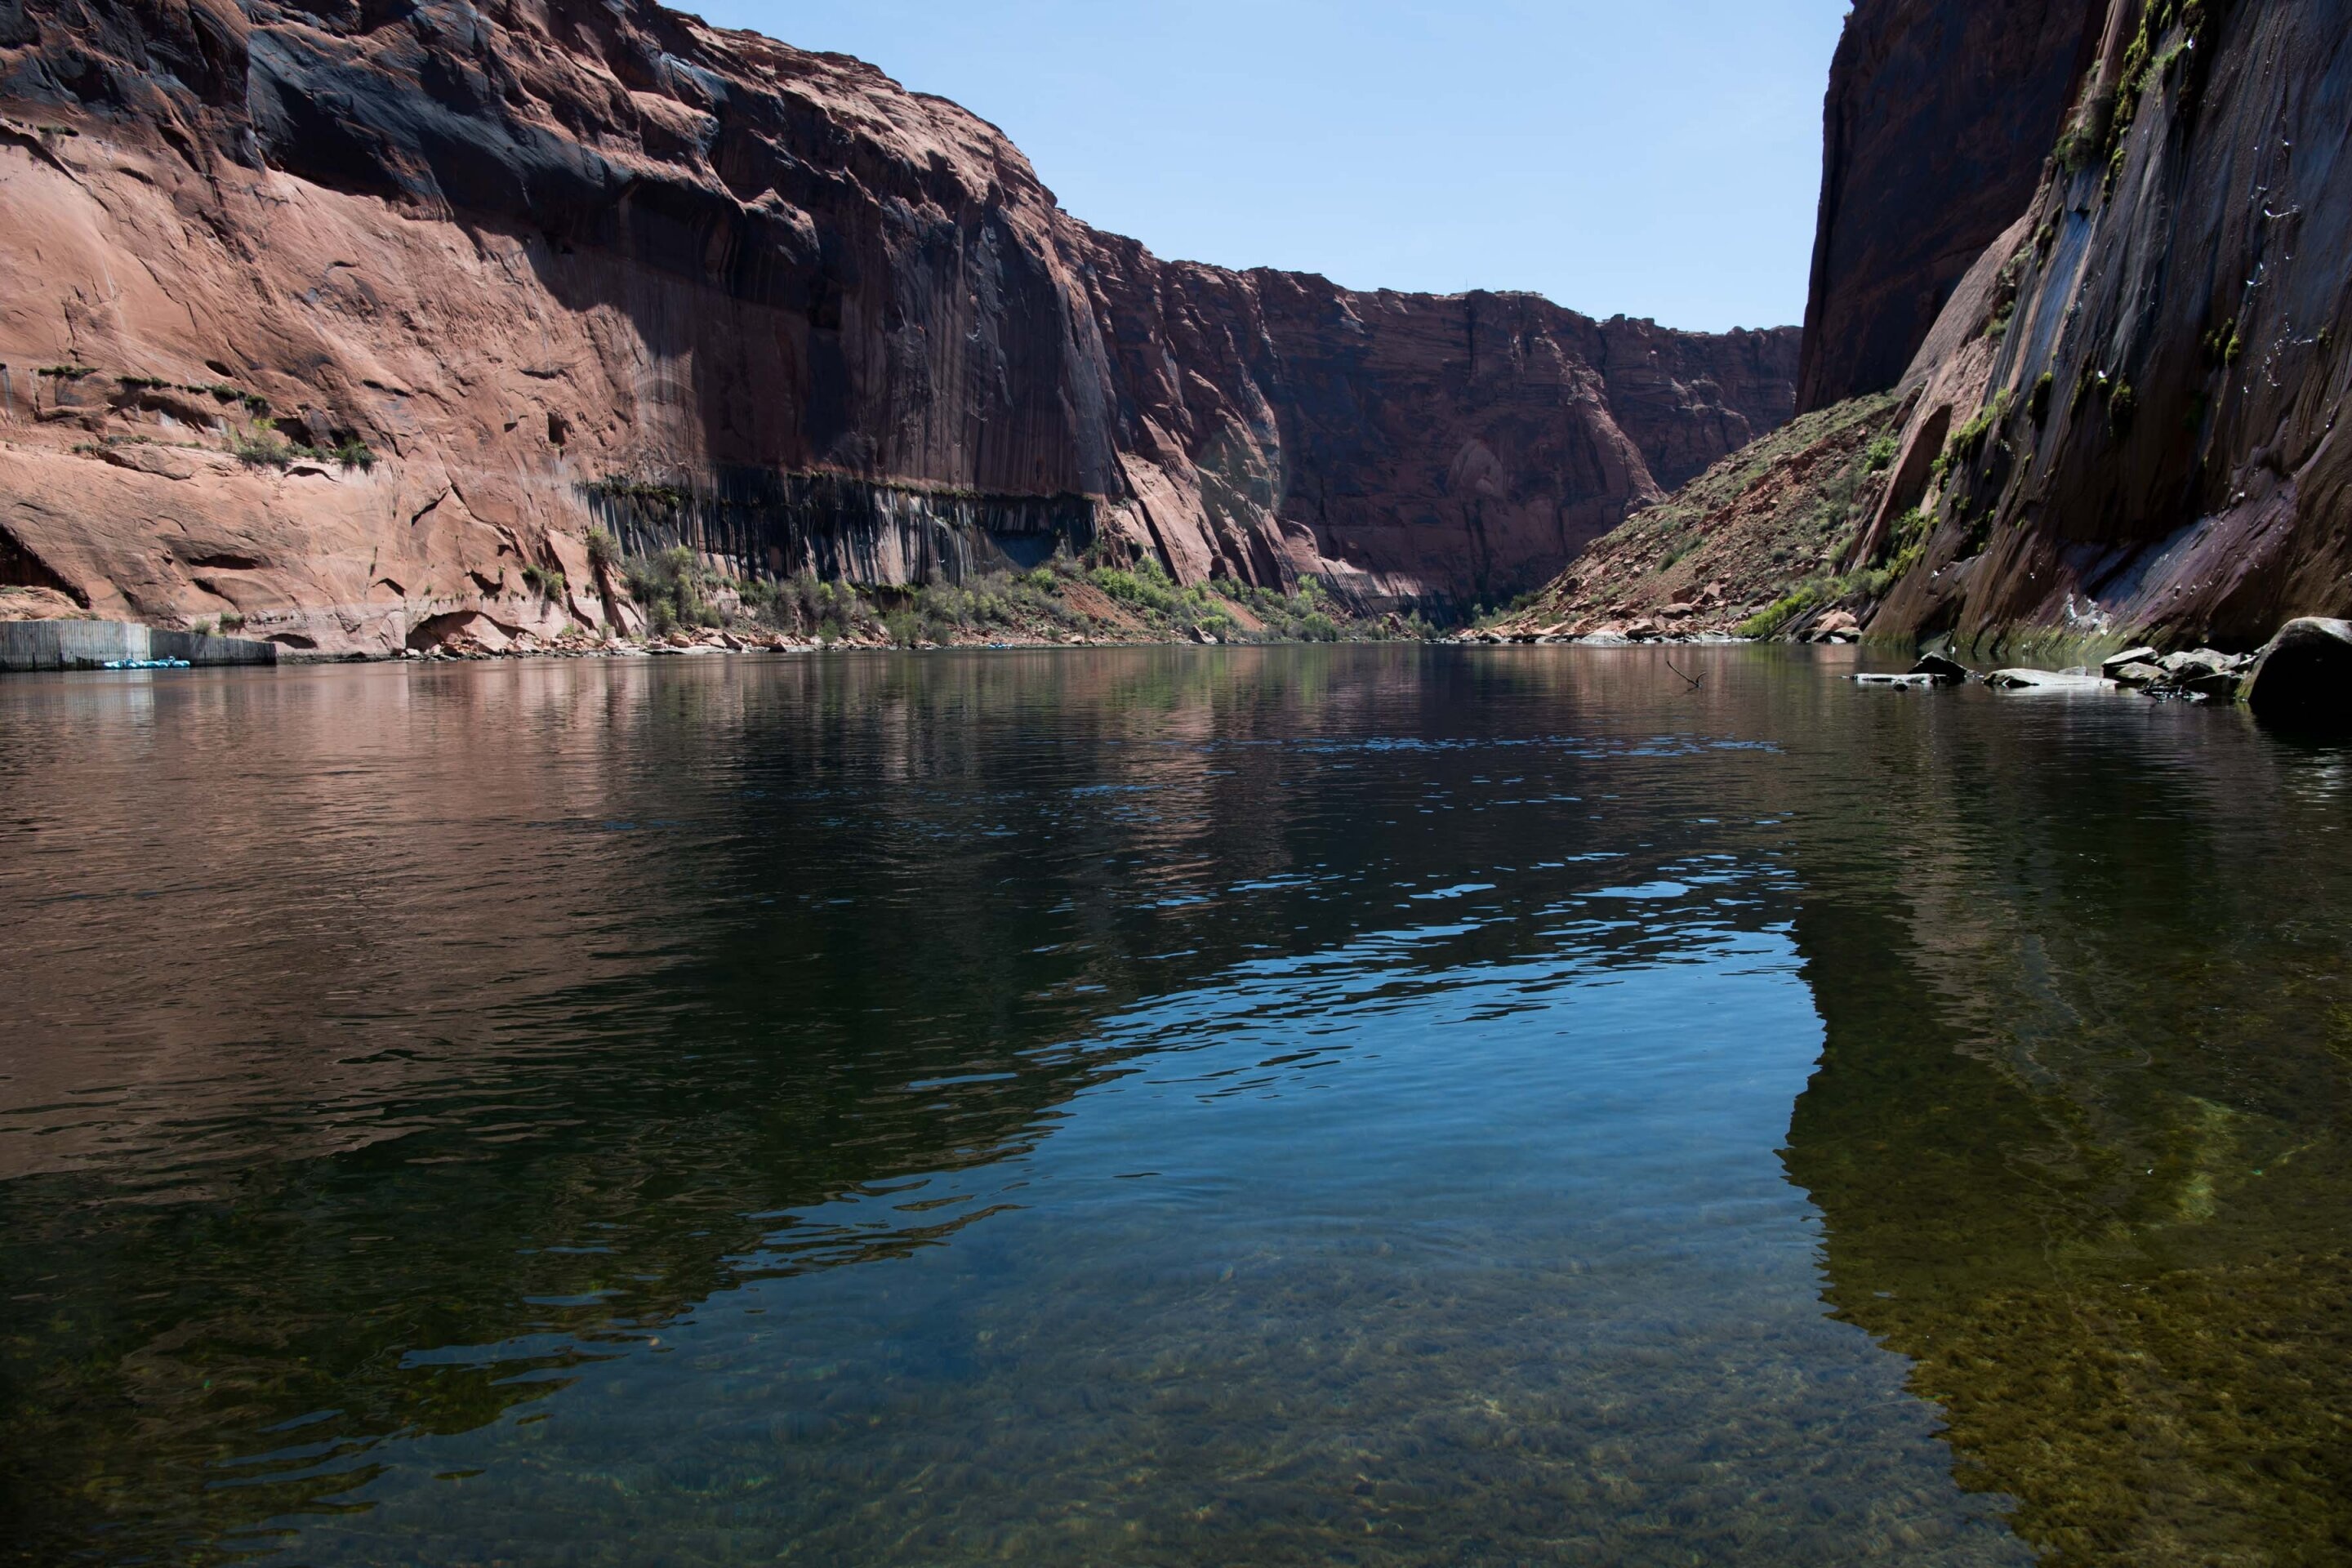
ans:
(2142, 412)
(556, 264)
(1938, 118)
(1753, 545)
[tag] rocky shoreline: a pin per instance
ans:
(704, 642)
(2301, 677)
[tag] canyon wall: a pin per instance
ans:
(2096, 251)
(2132, 406)
(502, 274)
(1939, 118)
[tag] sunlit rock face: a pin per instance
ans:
(533, 255)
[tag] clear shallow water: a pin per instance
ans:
(1318, 1105)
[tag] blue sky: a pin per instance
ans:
(1654, 157)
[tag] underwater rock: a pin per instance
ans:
(2216, 687)
(2023, 679)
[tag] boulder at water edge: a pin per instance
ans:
(1943, 671)
(2304, 676)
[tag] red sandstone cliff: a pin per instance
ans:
(561, 262)
(1938, 118)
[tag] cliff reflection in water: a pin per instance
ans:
(381, 1009)
(1165, 1105)
(2078, 1133)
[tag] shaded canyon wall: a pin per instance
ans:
(1937, 120)
(2125, 421)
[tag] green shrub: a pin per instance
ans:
(544, 581)
(2123, 407)
(618, 486)
(759, 597)
(261, 446)
(1881, 456)
(673, 586)
(1779, 613)
(355, 453)
(2076, 146)
(602, 549)
(1970, 440)
(1147, 587)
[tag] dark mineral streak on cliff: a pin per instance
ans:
(838, 528)
(530, 250)
(1938, 119)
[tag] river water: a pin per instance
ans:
(1373, 1106)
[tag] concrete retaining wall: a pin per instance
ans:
(89, 645)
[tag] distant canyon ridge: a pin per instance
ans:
(348, 325)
